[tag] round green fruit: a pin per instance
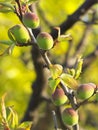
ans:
(59, 97)
(19, 34)
(85, 91)
(45, 41)
(70, 116)
(31, 20)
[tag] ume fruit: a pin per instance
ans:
(85, 91)
(19, 34)
(45, 41)
(59, 97)
(31, 20)
(70, 116)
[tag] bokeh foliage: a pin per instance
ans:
(17, 70)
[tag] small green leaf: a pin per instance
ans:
(3, 111)
(13, 118)
(6, 42)
(78, 68)
(6, 7)
(69, 81)
(8, 114)
(71, 71)
(7, 0)
(56, 70)
(25, 125)
(64, 37)
(53, 83)
(8, 51)
(11, 36)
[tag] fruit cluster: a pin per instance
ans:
(21, 36)
(70, 115)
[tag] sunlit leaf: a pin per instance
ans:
(25, 125)
(78, 68)
(6, 42)
(3, 111)
(56, 70)
(13, 118)
(65, 37)
(53, 84)
(7, 0)
(71, 71)
(69, 81)
(6, 7)
(8, 51)
(8, 115)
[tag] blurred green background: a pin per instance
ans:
(17, 71)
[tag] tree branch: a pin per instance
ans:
(38, 85)
(40, 81)
(72, 19)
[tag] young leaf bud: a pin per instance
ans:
(56, 70)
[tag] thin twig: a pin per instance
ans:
(19, 7)
(72, 19)
(76, 127)
(73, 102)
(55, 120)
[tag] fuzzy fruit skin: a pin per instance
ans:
(45, 41)
(70, 116)
(31, 20)
(93, 85)
(19, 34)
(59, 97)
(85, 91)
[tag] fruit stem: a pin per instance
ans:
(70, 95)
(76, 127)
(55, 120)
(19, 6)
(44, 54)
(32, 35)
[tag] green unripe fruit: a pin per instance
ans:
(45, 41)
(19, 34)
(59, 97)
(70, 116)
(85, 91)
(31, 20)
